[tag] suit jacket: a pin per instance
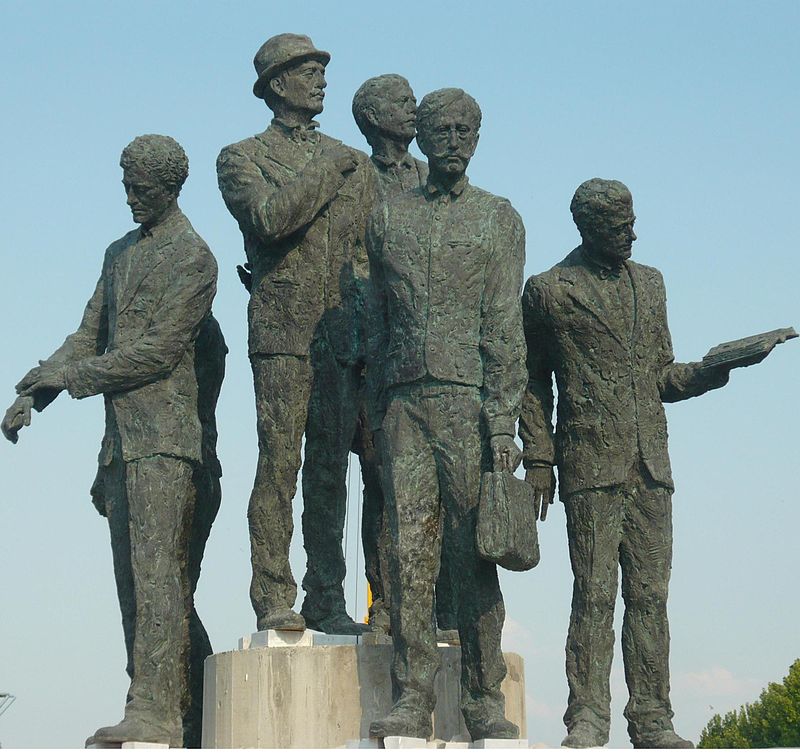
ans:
(446, 275)
(394, 178)
(136, 343)
(612, 372)
(303, 228)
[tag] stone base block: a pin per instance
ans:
(318, 692)
(125, 745)
(498, 743)
(399, 742)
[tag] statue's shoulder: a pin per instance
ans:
(190, 244)
(552, 282)
(249, 148)
(115, 248)
(645, 270)
(650, 276)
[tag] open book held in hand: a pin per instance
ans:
(748, 350)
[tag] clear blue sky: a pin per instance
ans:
(693, 105)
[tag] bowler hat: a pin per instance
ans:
(280, 50)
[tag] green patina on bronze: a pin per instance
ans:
(597, 322)
(301, 200)
(149, 343)
(446, 374)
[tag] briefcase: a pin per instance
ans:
(506, 533)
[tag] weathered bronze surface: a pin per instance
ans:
(598, 323)
(301, 200)
(446, 372)
(149, 343)
(385, 110)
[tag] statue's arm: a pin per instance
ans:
(536, 420)
(376, 320)
(43, 383)
(185, 304)
(502, 343)
(90, 339)
(269, 209)
(681, 381)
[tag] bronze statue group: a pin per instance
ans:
(387, 318)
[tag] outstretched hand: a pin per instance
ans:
(543, 481)
(506, 456)
(17, 416)
(45, 376)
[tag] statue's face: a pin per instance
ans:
(611, 234)
(302, 87)
(449, 139)
(148, 199)
(395, 112)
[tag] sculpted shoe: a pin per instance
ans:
(281, 619)
(583, 735)
(337, 623)
(663, 739)
(402, 721)
(136, 730)
(498, 728)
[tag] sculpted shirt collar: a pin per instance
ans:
(164, 227)
(432, 190)
(602, 267)
(306, 132)
(384, 163)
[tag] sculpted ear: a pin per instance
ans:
(276, 84)
(371, 118)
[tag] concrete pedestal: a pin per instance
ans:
(308, 690)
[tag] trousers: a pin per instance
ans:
(295, 395)
(627, 526)
(433, 451)
(160, 510)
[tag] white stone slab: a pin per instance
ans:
(368, 742)
(400, 742)
(490, 742)
(292, 638)
(128, 744)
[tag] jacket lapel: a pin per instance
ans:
(582, 288)
(138, 264)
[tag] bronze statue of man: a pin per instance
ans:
(149, 343)
(446, 354)
(385, 110)
(301, 200)
(598, 322)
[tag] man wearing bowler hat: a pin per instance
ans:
(301, 200)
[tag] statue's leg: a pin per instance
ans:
(476, 594)
(413, 517)
(594, 524)
(161, 506)
(373, 532)
(646, 556)
(208, 495)
(111, 485)
(282, 387)
(330, 427)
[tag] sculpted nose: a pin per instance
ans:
(452, 139)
